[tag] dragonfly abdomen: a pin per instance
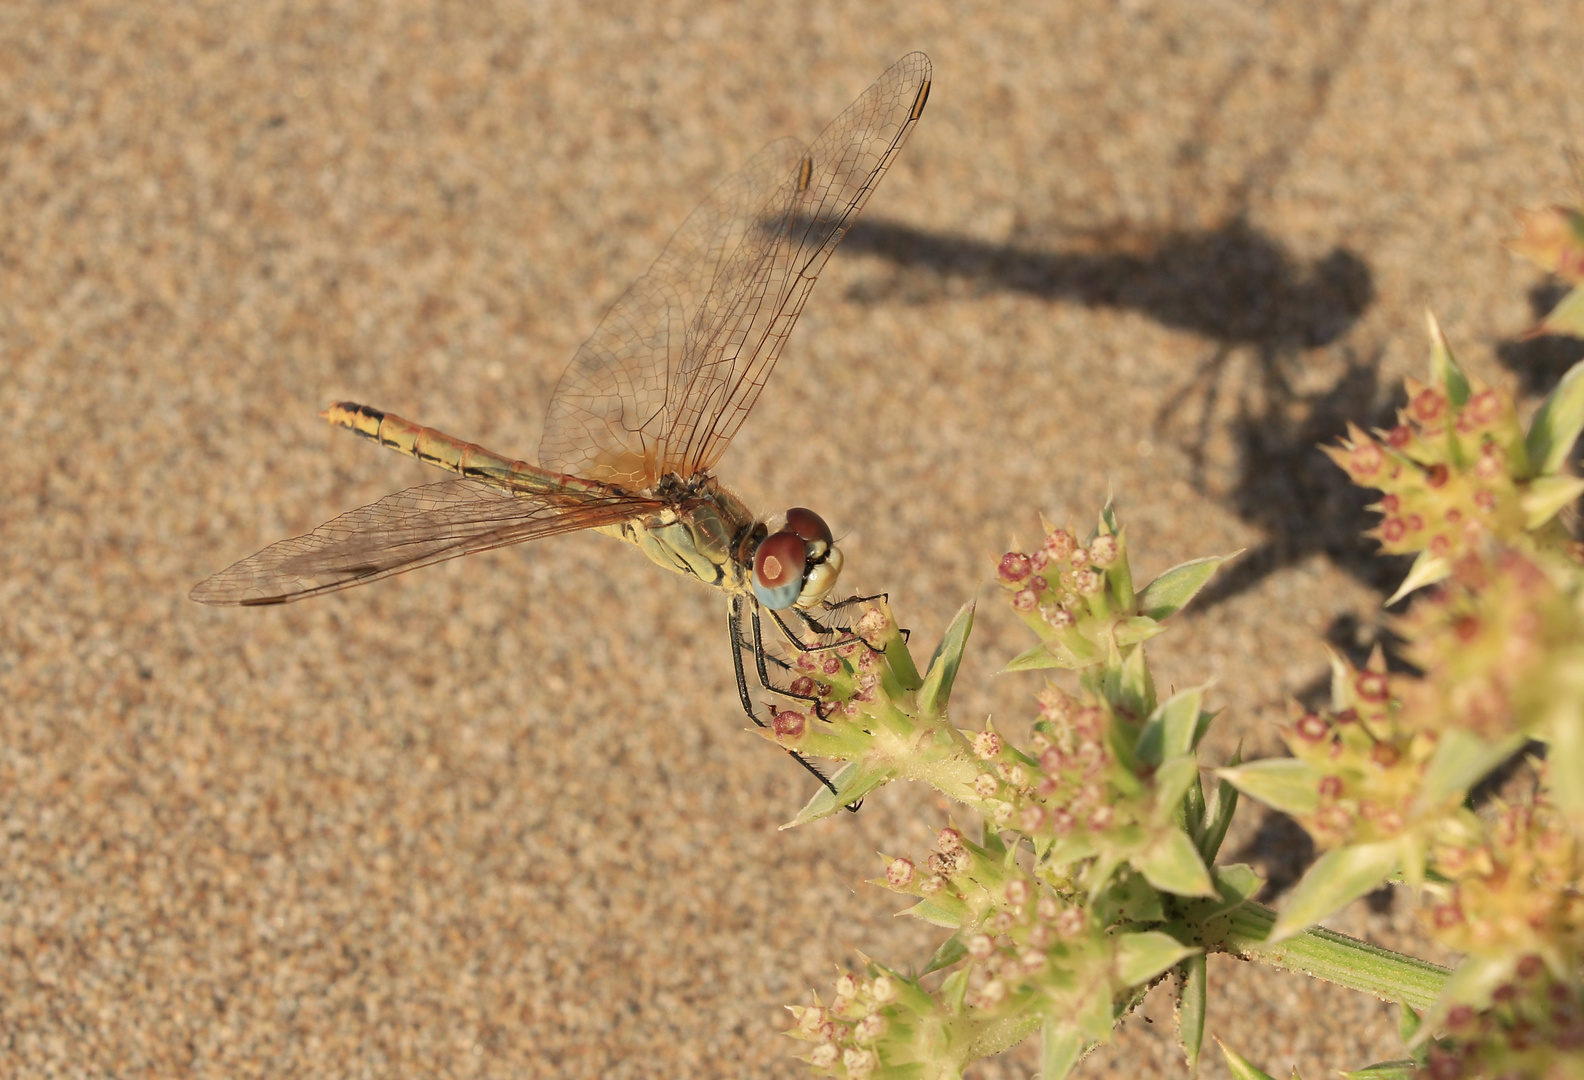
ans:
(441, 450)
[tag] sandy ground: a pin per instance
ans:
(500, 818)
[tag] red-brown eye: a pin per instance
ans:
(778, 567)
(809, 525)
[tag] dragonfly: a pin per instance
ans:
(645, 410)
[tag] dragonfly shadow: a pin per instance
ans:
(1234, 284)
(1246, 293)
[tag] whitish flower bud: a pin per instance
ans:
(1088, 582)
(1104, 550)
(1048, 907)
(1025, 600)
(950, 841)
(1070, 923)
(859, 1062)
(1060, 544)
(1031, 818)
(980, 947)
(900, 873)
(846, 987)
(870, 1028)
(824, 1056)
(986, 745)
(883, 989)
(1017, 892)
(1032, 960)
(992, 993)
(985, 785)
(812, 1019)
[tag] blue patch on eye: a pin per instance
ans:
(780, 597)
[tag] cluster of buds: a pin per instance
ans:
(1532, 1027)
(1366, 769)
(1512, 888)
(1450, 475)
(871, 1022)
(1497, 644)
(1024, 949)
(1071, 595)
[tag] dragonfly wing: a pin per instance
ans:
(669, 375)
(608, 418)
(408, 529)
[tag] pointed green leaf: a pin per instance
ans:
(1239, 1066)
(1170, 593)
(1335, 880)
(1548, 496)
(935, 914)
(1218, 812)
(1142, 956)
(1136, 629)
(1173, 780)
(1191, 1011)
(943, 665)
(1461, 760)
(1135, 690)
(1173, 865)
(950, 952)
(1235, 884)
(1408, 1024)
(852, 782)
(1444, 370)
(1170, 731)
(1286, 784)
(1556, 426)
(1061, 1046)
(954, 988)
(1426, 570)
(1406, 1069)
(1033, 660)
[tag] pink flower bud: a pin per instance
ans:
(950, 841)
(1331, 787)
(1017, 892)
(900, 873)
(1437, 475)
(1032, 817)
(1372, 686)
(1088, 582)
(1428, 405)
(1038, 560)
(1025, 600)
(1365, 460)
(980, 947)
(1399, 437)
(1014, 567)
(789, 726)
(1311, 728)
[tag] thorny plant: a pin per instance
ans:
(1095, 876)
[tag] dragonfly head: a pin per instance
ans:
(798, 565)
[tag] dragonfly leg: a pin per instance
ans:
(756, 645)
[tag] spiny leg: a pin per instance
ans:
(738, 645)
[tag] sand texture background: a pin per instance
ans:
(500, 818)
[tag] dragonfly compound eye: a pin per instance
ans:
(812, 528)
(778, 567)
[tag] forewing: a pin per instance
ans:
(669, 375)
(783, 255)
(406, 530)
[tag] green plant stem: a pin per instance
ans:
(1326, 954)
